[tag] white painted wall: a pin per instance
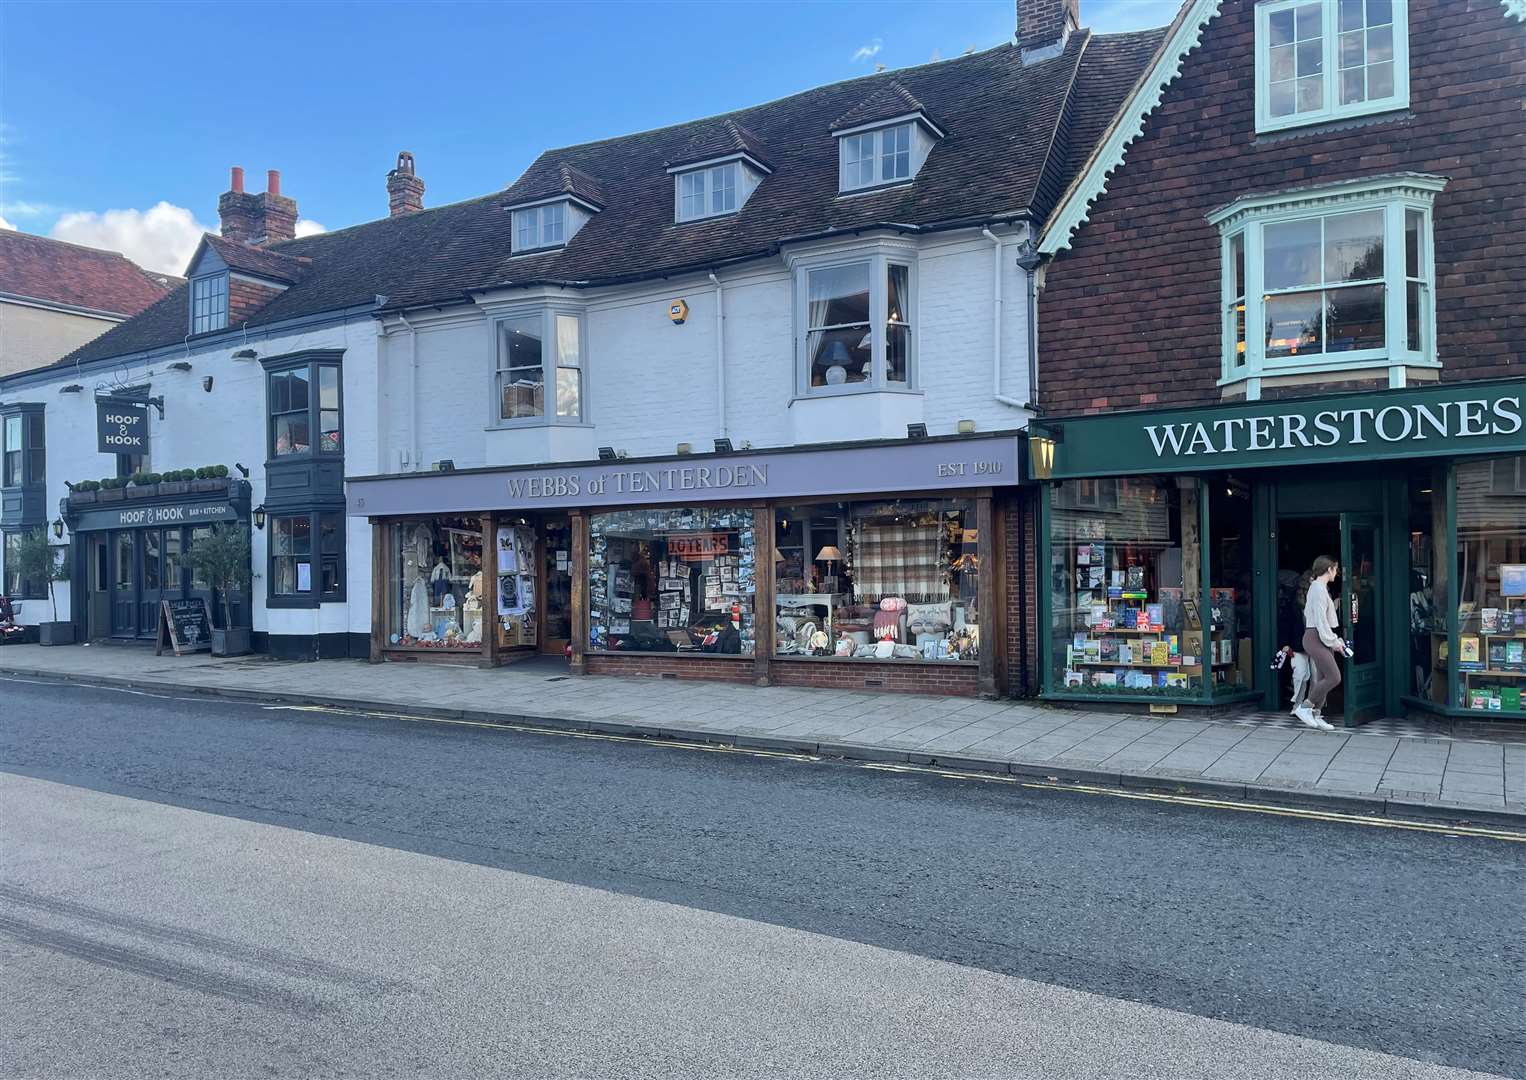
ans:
(649, 385)
(222, 427)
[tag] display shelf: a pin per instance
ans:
(1495, 673)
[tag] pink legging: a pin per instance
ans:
(1327, 670)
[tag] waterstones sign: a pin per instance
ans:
(914, 465)
(1481, 418)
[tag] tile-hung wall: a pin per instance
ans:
(650, 384)
(217, 427)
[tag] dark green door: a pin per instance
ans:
(1361, 619)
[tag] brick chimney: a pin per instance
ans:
(1044, 25)
(262, 219)
(405, 191)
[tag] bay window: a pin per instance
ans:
(856, 325)
(1320, 60)
(535, 349)
(1329, 280)
(307, 556)
(304, 405)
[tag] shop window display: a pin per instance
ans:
(1491, 585)
(515, 595)
(435, 583)
(1120, 550)
(672, 580)
(1428, 633)
(878, 580)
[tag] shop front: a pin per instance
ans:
(863, 565)
(1173, 544)
(131, 552)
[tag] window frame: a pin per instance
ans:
(879, 261)
(1248, 219)
(315, 557)
(876, 136)
(550, 363)
(24, 464)
(26, 588)
(706, 176)
(213, 311)
(538, 212)
(1331, 108)
(312, 368)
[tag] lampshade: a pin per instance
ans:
(837, 353)
(828, 553)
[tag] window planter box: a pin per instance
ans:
(142, 491)
(82, 498)
(218, 484)
(174, 487)
(111, 495)
(234, 642)
(55, 633)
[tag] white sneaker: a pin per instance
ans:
(1306, 716)
(1323, 724)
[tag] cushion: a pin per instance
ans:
(929, 618)
(893, 603)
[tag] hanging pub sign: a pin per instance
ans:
(121, 427)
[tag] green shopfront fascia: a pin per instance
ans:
(1172, 546)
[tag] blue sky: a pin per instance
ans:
(141, 108)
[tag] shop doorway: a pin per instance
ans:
(1355, 540)
(556, 585)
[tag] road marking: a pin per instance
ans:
(1203, 801)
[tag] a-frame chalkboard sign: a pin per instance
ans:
(184, 626)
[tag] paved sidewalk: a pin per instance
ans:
(1453, 778)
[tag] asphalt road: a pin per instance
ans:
(201, 888)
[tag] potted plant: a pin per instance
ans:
(83, 493)
(144, 484)
(223, 559)
(206, 478)
(38, 560)
(113, 489)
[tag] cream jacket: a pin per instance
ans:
(1319, 614)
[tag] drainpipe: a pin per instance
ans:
(413, 391)
(1022, 595)
(996, 269)
(720, 355)
(1029, 262)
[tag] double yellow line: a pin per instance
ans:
(1202, 801)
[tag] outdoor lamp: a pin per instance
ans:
(58, 529)
(1041, 444)
(259, 516)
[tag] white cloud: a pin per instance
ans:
(161, 238)
(6, 225)
(867, 52)
(309, 227)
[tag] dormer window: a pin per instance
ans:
(707, 192)
(717, 186)
(889, 151)
(209, 303)
(541, 226)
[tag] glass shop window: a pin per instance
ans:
(878, 580)
(434, 583)
(1491, 585)
(672, 580)
(1231, 575)
(1427, 677)
(1121, 622)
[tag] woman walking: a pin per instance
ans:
(1321, 642)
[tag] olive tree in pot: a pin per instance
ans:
(40, 561)
(223, 559)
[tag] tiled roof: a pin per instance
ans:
(58, 273)
(261, 262)
(546, 179)
(886, 103)
(1006, 133)
(718, 139)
